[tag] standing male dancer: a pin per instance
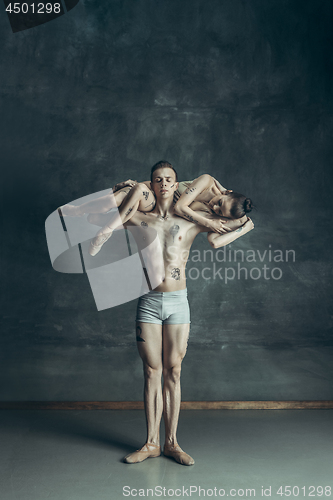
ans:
(163, 316)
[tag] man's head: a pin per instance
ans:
(230, 204)
(162, 164)
(163, 179)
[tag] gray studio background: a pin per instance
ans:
(239, 89)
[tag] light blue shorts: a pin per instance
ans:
(164, 308)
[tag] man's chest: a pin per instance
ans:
(170, 230)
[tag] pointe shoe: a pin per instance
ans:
(98, 242)
(149, 450)
(178, 454)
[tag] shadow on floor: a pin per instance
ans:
(70, 425)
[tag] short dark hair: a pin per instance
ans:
(240, 206)
(162, 164)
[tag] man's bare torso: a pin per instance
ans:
(175, 236)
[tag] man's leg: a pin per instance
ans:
(175, 339)
(149, 342)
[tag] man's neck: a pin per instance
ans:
(164, 208)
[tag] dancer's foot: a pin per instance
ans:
(178, 454)
(98, 242)
(149, 450)
(70, 211)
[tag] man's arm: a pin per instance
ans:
(221, 240)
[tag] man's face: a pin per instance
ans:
(164, 183)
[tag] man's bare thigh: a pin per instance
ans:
(162, 344)
(149, 342)
(175, 339)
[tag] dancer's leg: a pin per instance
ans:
(149, 342)
(99, 219)
(98, 206)
(175, 339)
(139, 198)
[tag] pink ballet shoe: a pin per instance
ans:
(178, 454)
(98, 242)
(149, 450)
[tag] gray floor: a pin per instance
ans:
(77, 455)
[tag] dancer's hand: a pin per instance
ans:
(218, 226)
(129, 182)
(121, 185)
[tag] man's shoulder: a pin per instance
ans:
(137, 218)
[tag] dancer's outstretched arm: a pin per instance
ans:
(220, 240)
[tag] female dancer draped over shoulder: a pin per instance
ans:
(128, 196)
(207, 190)
(131, 196)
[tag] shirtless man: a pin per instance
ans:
(163, 319)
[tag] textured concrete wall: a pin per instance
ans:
(241, 90)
